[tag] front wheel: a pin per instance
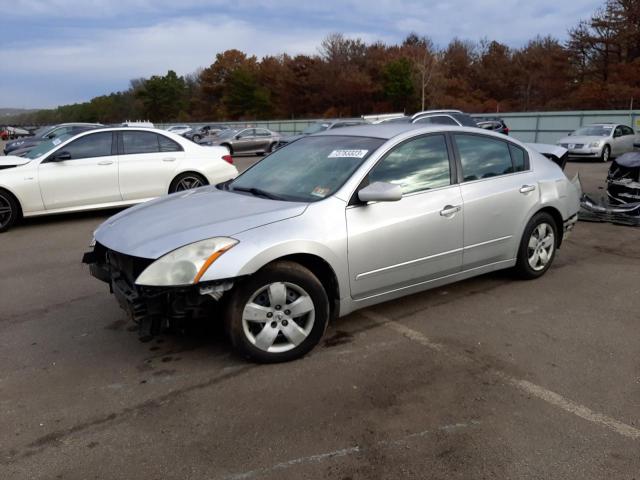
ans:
(187, 181)
(278, 314)
(9, 211)
(537, 247)
(606, 154)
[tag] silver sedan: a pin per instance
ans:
(333, 223)
(601, 141)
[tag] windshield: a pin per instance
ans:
(594, 131)
(47, 145)
(315, 128)
(309, 169)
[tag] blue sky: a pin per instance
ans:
(64, 51)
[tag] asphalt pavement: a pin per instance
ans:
(490, 378)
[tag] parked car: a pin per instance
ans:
(601, 141)
(495, 125)
(199, 133)
(105, 168)
(251, 141)
(333, 223)
(179, 129)
(48, 133)
(318, 127)
(436, 117)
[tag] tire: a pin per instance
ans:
(197, 138)
(605, 156)
(537, 247)
(282, 336)
(272, 147)
(187, 181)
(9, 210)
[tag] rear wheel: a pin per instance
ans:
(197, 138)
(537, 247)
(278, 314)
(187, 181)
(9, 210)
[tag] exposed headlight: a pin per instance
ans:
(186, 265)
(595, 144)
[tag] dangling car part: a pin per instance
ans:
(622, 204)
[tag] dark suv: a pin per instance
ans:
(23, 145)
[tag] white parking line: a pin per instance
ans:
(347, 451)
(537, 391)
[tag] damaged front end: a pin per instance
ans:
(153, 308)
(622, 203)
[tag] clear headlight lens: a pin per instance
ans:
(595, 144)
(186, 265)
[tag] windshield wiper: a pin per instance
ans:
(258, 192)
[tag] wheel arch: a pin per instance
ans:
(322, 270)
(184, 172)
(228, 146)
(557, 218)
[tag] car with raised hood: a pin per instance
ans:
(47, 133)
(105, 168)
(333, 223)
(600, 141)
(317, 127)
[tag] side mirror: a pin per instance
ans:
(61, 156)
(238, 137)
(380, 192)
(569, 134)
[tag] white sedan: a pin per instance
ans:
(105, 168)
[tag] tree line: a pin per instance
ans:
(598, 67)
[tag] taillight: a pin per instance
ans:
(506, 130)
(228, 159)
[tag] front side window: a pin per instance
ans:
(90, 146)
(482, 157)
(416, 165)
(627, 131)
(308, 169)
(139, 142)
(247, 133)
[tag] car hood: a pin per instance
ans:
(13, 161)
(26, 142)
(154, 228)
(585, 140)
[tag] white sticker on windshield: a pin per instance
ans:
(56, 141)
(348, 154)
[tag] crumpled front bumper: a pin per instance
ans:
(603, 211)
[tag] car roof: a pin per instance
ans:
(387, 131)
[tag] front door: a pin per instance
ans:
(88, 177)
(499, 192)
(244, 142)
(393, 245)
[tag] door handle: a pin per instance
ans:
(527, 188)
(105, 162)
(450, 210)
(169, 159)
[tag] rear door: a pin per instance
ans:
(499, 190)
(147, 163)
(393, 245)
(88, 177)
(262, 140)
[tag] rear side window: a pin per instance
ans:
(90, 146)
(140, 142)
(437, 120)
(168, 145)
(482, 157)
(416, 165)
(519, 158)
(464, 119)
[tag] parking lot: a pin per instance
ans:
(488, 378)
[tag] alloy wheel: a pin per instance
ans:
(278, 317)
(541, 246)
(6, 211)
(187, 183)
